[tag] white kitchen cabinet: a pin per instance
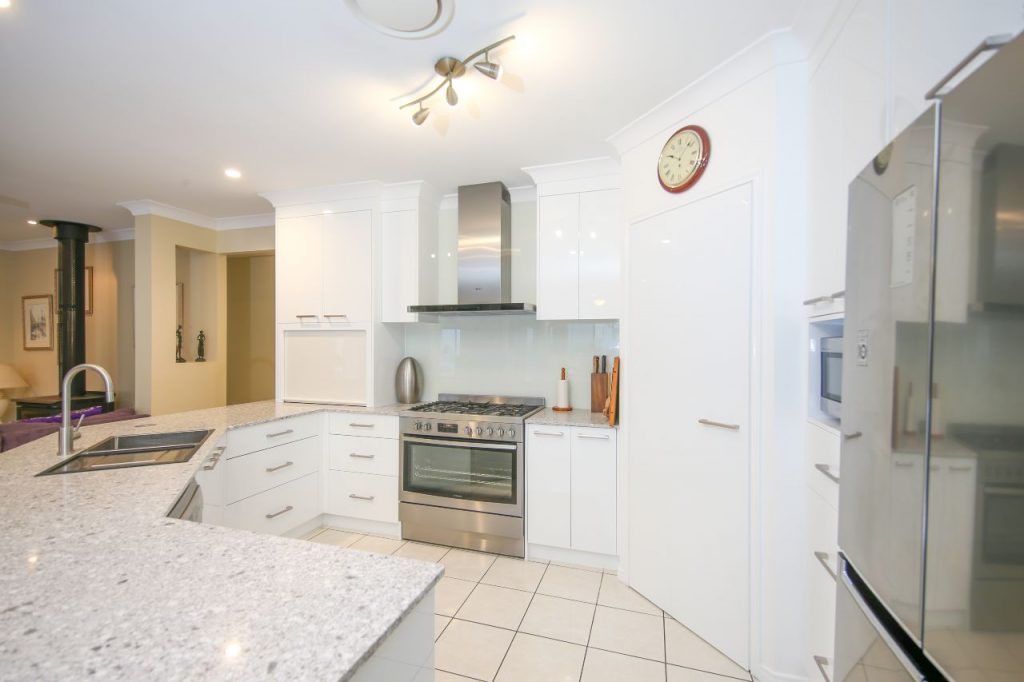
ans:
(361, 454)
(410, 263)
(324, 267)
(324, 365)
(952, 497)
(347, 267)
(548, 476)
(259, 471)
(821, 562)
(279, 510)
(370, 497)
(360, 424)
(602, 223)
(571, 491)
(558, 228)
(822, 447)
(298, 253)
(592, 489)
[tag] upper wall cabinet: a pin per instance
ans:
(324, 268)
(409, 250)
(580, 232)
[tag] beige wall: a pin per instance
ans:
(250, 353)
(107, 330)
(162, 385)
(249, 240)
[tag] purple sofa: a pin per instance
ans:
(18, 433)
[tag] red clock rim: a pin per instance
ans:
(701, 166)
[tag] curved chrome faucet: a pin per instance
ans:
(66, 434)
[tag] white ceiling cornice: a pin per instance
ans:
(149, 207)
(125, 234)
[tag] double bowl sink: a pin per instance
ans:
(118, 452)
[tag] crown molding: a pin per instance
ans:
(149, 207)
(323, 194)
(574, 170)
(118, 235)
(244, 222)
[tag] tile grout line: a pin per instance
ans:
(505, 656)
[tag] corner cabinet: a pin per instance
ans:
(580, 234)
(571, 490)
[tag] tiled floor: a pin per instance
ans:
(511, 620)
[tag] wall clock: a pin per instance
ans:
(684, 158)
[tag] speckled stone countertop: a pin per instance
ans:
(573, 418)
(96, 582)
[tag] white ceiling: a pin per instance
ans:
(102, 102)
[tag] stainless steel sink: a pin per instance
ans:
(118, 452)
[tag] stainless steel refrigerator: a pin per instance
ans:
(931, 510)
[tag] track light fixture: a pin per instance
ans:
(450, 68)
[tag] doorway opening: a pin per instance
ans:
(250, 338)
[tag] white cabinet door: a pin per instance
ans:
(325, 366)
(400, 280)
(558, 220)
(602, 224)
(298, 253)
(347, 266)
(952, 495)
(593, 490)
(548, 481)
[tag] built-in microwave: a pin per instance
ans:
(831, 375)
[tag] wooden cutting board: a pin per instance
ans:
(613, 399)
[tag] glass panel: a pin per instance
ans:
(464, 473)
(861, 654)
(974, 615)
(885, 351)
(832, 376)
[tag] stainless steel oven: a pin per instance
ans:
(463, 472)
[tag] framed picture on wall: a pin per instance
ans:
(88, 288)
(37, 322)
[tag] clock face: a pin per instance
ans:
(684, 158)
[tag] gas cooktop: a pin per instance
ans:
(477, 409)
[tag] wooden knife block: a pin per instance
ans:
(598, 391)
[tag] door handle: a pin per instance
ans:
(278, 513)
(357, 455)
(851, 436)
(827, 471)
(587, 435)
(360, 426)
(822, 558)
(559, 434)
(720, 425)
(279, 467)
(821, 662)
(368, 498)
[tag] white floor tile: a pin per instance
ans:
(514, 573)
(605, 666)
(497, 606)
(471, 649)
(570, 583)
(440, 623)
(422, 551)
(465, 565)
(617, 594)
(677, 674)
(559, 618)
(531, 659)
(628, 632)
(450, 594)
(688, 650)
(329, 536)
(442, 676)
(377, 545)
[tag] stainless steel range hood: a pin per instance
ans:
(484, 255)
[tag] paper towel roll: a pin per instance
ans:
(563, 393)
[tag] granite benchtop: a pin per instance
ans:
(96, 581)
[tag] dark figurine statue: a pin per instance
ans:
(201, 356)
(177, 346)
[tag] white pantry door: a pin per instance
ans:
(689, 359)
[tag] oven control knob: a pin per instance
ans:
(490, 432)
(511, 433)
(469, 430)
(501, 433)
(428, 426)
(479, 431)
(419, 426)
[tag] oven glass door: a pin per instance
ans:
(462, 474)
(1002, 533)
(832, 375)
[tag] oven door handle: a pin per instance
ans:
(462, 443)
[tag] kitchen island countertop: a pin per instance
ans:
(96, 581)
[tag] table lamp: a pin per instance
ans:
(9, 378)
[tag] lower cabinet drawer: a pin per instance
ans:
(259, 471)
(363, 455)
(363, 496)
(821, 562)
(278, 432)
(362, 424)
(279, 509)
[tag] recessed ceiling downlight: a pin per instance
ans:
(4, 4)
(408, 19)
(233, 173)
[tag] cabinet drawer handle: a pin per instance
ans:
(279, 467)
(818, 299)
(904, 465)
(280, 433)
(549, 433)
(962, 469)
(824, 468)
(822, 558)
(368, 498)
(851, 436)
(721, 425)
(302, 317)
(821, 662)
(335, 315)
(361, 426)
(359, 456)
(839, 294)
(213, 459)
(587, 435)
(278, 513)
